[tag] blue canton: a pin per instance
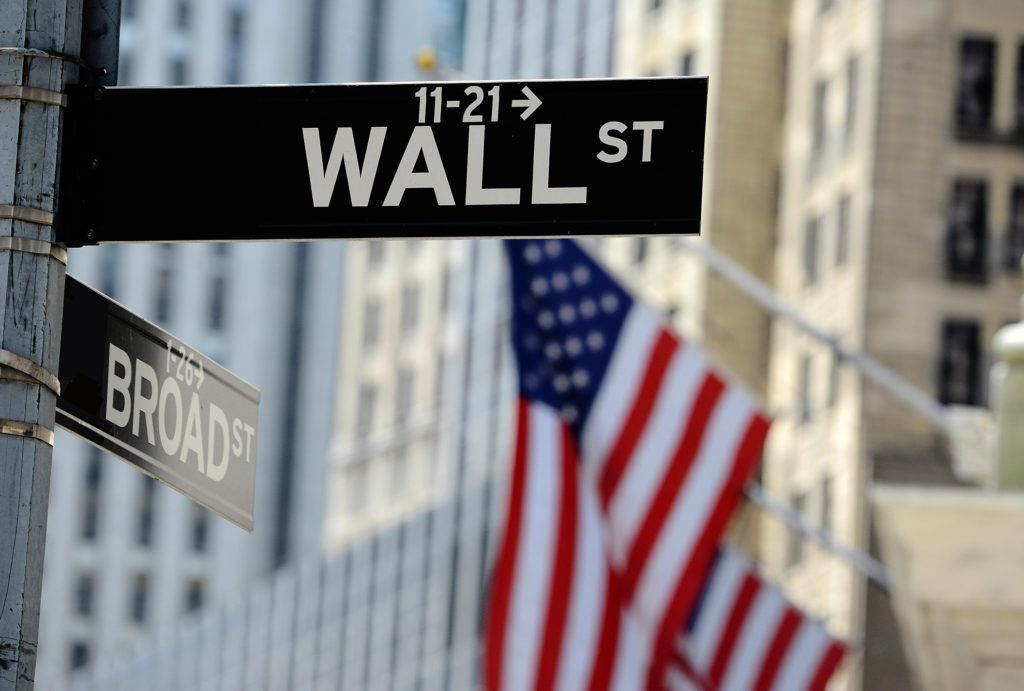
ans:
(567, 316)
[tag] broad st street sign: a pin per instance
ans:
(449, 159)
(140, 394)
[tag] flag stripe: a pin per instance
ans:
(507, 556)
(644, 402)
(564, 563)
(829, 662)
(611, 620)
(672, 481)
(737, 617)
(778, 649)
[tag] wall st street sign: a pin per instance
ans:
(487, 159)
(137, 392)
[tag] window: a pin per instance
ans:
(1020, 90)
(967, 231)
(79, 655)
(357, 489)
(200, 529)
(843, 230)
(179, 71)
(182, 12)
(825, 5)
(655, 4)
(91, 495)
(140, 598)
(164, 282)
(640, 246)
(960, 363)
(804, 389)
(375, 252)
(371, 322)
(364, 414)
(194, 595)
(109, 265)
(687, 63)
(812, 240)
(218, 286)
(236, 35)
(400, 471)
(795, 542)
(1015, 233)
(144, 527)
(410, 307)
(833, 379)
(819, 125)
(852, 76)
(403, 396)
(976, 86)
(446, 285)
(439, 381)
(83, 594)
(128, 9)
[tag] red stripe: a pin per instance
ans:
(506, 565)
(692, 578)
(833, 656)
(565, 562)
(731, 633)
(682, 663)
(678, 470)
(617, 460)
(778, 649)
(604, 662)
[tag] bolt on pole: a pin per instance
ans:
(37, 41)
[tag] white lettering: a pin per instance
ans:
(143, 405)
(218, 422)
(648, 127)
(118, 385)
(542, 192)
(607, 138)
(421, 142)
(236, 435)
(170, 442)
(360, 181)
(476, 193)
(193, 442)
(249, 431)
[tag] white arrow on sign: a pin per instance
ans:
(530, 103)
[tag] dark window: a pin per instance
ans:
(446, 285)
(833, 379)
(976, 87)
(655, 4)
(826, 504)
(640, 247)
(83, 594)
(179, 71)
(1015, 233)
(852, 78)
(182, 13)
(375, 252)
(128, 9)
(91, 495)
(819, 124)
(795, 542)
(371, 322)
(200, 529)
(236, 35)
(364, 414)
(403, 396)
(812, 242)
(140, 598)
(966, 235)
(144, 527)
(825, 5)
(960, 363)
(410, 307)
(843, 230)
(194, 595)
(1020, 90)
(439, 381)
(79, 655)
(804, 389)
(687, 62)
(218, 291)
(164, 283)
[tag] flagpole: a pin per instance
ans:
(881, 375)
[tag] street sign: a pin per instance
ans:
(449, 159)
(142, 395)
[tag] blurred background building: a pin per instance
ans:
(865, 158)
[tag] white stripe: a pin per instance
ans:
(676, 680)
(726, 581)
(531, 583)
(804, 656)
(631, 656)
(697, 499)
(590, 576)
(645, 473)
(619, 387)
(756, 636)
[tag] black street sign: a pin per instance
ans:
(140, 394)
(448, 159)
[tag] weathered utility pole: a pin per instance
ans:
(38, 39)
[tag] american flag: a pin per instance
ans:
(743, 634)
(631, 455)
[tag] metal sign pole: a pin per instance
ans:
(36, 39)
